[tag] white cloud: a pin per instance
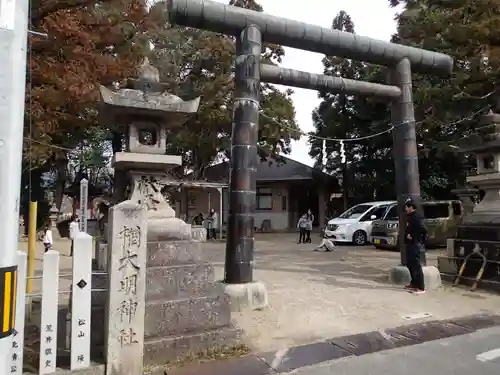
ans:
(375, 20)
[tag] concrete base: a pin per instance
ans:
(448, 265)
(251, 296)
(400, 275)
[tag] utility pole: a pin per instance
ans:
(13, 50)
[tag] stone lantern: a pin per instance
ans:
(149, 114)
(174, 294)
(480, 229)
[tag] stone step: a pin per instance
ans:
(189, 315)
(187, 281)
(174, 253)
(160, 351)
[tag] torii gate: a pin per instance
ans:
(251, 29)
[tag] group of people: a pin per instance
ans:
(211, 222)
(415, 237)
(305, 227)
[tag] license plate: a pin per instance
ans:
(377, 241)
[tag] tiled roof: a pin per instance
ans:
(270, 170)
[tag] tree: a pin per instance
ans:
(200, 63)
(460, 29)
(88, 43)
(341, 116)
(467, 30)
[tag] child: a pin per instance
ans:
(302, 226)
(74, 229)
(326, 244)
(47, 238)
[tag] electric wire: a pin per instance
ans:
(302, 133)
(388, 130)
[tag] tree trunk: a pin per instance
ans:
(61, 179)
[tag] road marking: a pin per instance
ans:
(279, 357)
(488, 356)
(420, 315)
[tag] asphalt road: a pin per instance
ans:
(475, 353)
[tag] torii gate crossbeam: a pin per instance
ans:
(251, 29)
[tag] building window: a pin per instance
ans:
(264, 199)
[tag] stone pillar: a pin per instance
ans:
(84, 199)
(53, 215)
(238, 271)
(405, 149)
(127, 289)
(406, 166)
(240, 237)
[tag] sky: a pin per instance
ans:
(375, 20)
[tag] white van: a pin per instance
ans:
(355, 225)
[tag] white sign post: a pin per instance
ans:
(81, 302)
(84, 198)
(7, 14)
(14, 15)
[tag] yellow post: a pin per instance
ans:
(31, 245)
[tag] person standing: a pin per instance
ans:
(309, 225)
(74, 229)
(47, 238)
(302, 227)
(213, 224)
(415, 236)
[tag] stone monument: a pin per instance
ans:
(467, 196)
(480, 229)
(185, 311)
(53, 214)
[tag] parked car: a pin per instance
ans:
(441, 219)
(355, 224)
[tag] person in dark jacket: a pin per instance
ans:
(415, 235)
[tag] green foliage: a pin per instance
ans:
(91, 160)
(339, 116)
(466, 30)
(200, 63)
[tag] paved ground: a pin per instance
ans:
(66, 266)
(317, 295)
(417, 348)
(475, 353)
